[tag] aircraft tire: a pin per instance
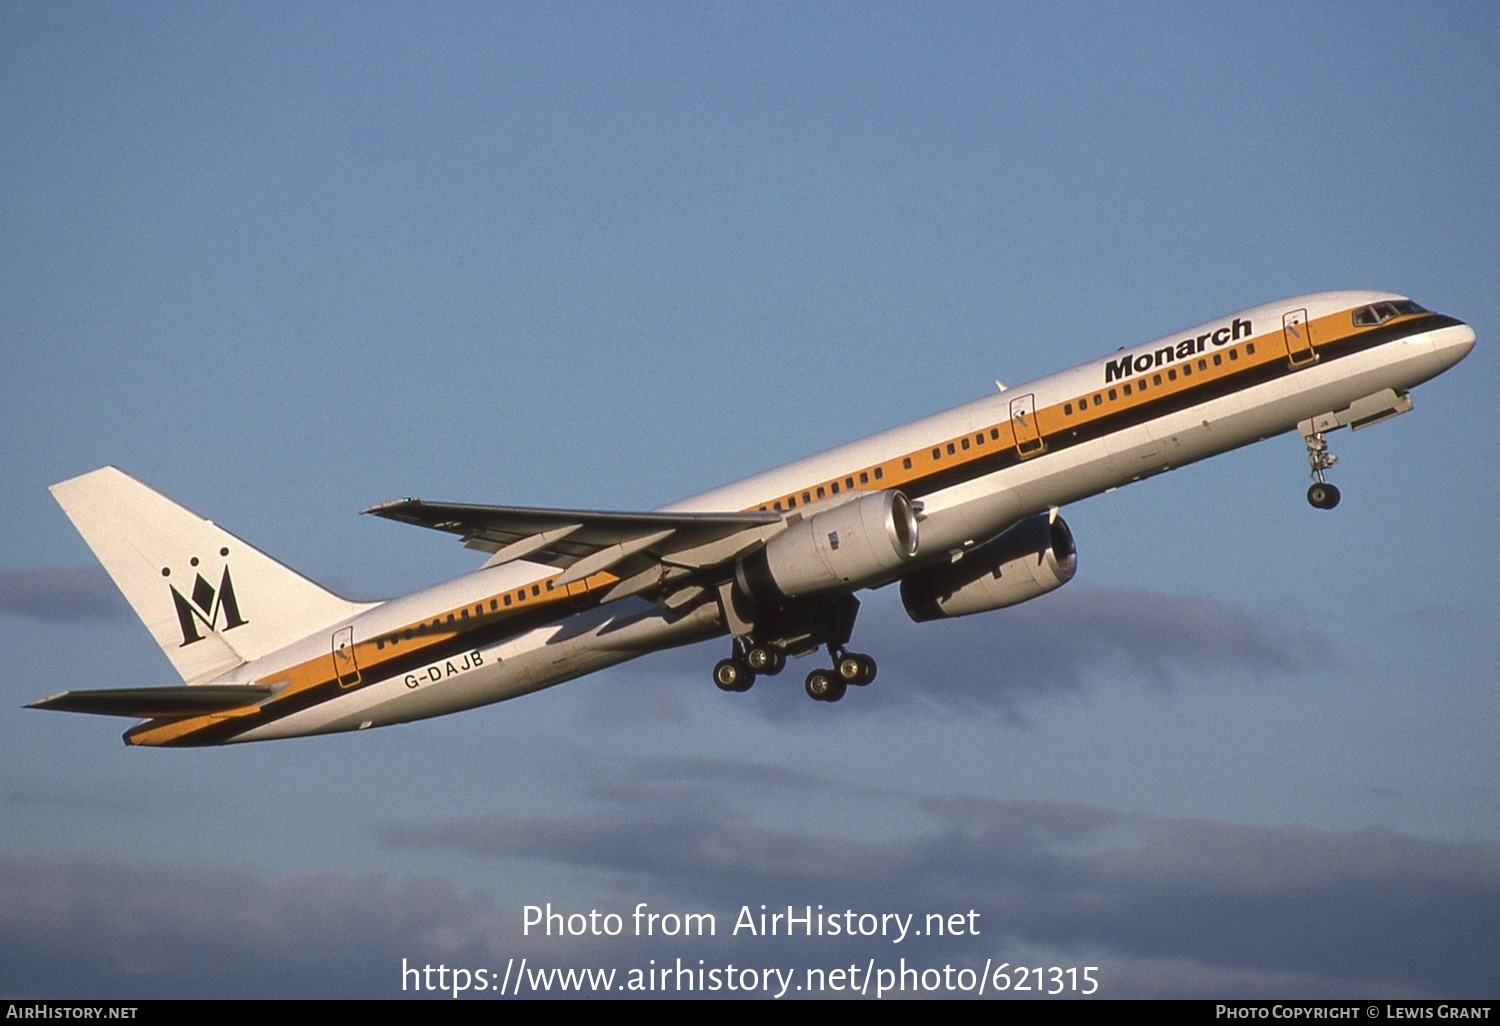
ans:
(1323, 496)
(762, 659)
(732, 675)
(824, 686)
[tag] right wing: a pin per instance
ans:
(645, 551)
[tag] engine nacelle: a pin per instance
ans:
(1031, 559)
(864, 542)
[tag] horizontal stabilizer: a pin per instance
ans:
(158, 703)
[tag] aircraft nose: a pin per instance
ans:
(1454, 343)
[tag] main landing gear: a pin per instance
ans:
(848, 668)
(1321, 494)
(738, 672)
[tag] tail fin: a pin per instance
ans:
(174, 568)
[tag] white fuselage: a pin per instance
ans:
(959, 510)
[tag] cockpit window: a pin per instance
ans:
(1379, 313)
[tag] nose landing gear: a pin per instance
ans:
(1321, 494)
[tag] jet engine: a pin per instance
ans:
(1030, 559)
(859, 544)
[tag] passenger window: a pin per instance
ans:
(834, 486)
(937, 454)
(951, 450)
(864, 477)
(1067, 409)
(1127, 389)
(1156, 379)
(821, 494)
(1249, 348)
(905, 464)
(1172, 374)
(880, 471)
(1113, 395)
(964, 443)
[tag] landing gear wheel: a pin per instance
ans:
(761, 659)
(824, 686)
(1322, 495)
(732, 675)
(855, 668)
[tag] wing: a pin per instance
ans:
(645, 551)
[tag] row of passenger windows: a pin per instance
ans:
(962, 443)
(1158, 379)
(831, 488)
(439, 623)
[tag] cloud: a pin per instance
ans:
(1325, 913)
(1163, 907)
(1059, 645)
(78, 927)
(65, 594)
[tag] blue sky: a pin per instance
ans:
(287, 261)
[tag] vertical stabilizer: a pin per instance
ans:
(210, 600)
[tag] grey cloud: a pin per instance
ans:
(96, 928)
(1060, 644)
(1336, 913)
(65, 594)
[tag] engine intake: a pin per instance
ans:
(859, 544)
(1031, 559)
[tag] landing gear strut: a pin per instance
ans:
(1321, 494)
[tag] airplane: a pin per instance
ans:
(960, 508)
